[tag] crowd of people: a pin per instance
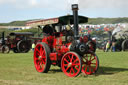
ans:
(102, 27)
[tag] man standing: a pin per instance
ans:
(33, 46)
(107, 46)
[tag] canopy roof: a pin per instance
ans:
(64, 20)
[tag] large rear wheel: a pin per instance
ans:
(23, 46)
(41, 57)
(125, 45)
(71, 64)
(15, 50)
(90, 63)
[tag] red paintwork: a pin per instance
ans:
(55, 43)
(53, 56)
(85, 39)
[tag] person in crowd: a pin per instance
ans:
(107, 46)
(113, 44)
(33, 46)
(113, 47)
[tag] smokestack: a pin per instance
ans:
(3, 41)
(75, 15)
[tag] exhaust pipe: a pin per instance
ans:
(75, 16)
(3, 40)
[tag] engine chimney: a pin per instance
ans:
(75, 15)
(3, 41)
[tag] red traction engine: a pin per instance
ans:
(73, 53)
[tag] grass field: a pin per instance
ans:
(18, 69)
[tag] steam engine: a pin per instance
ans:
(73, 53)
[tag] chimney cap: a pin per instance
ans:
(74, 6)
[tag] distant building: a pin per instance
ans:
(15, 27)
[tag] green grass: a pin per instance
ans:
(18, 69)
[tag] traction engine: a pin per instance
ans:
(73, 53)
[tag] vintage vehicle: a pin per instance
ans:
(120, 36)
(18, 42)
(63, 46)
(4, 48)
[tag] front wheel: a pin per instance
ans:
(5, 49)
(71, 64)
(41, 57)
(90, 63)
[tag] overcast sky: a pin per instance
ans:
(11, 10)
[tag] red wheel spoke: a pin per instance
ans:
(43, 57)
(83, 66)
(82, 61)
(75, 64)
(37, 50)
(66, 60)
(92, 68)
(43, 61)
(71, 58)
(41, 49)
(93, 59)
(65, 64)
(86, 55)
(70, 71)
(67, 68)
(85, 58)
(36, 58)
(42, 52)
(76, 68)
(73, 70)
(75, 60)
(38, 67)
(40, 62)
(93, 63)
(38, 54)
(86, 68)
(89, 69)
